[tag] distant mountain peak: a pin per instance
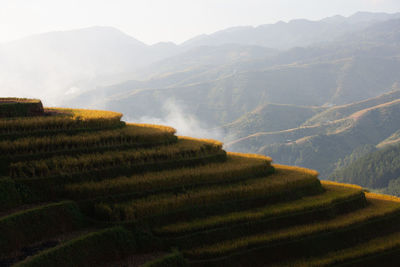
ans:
(298, 32)
(93, 32)
(363, 16)
(334, 19)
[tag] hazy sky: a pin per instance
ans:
(152, 21)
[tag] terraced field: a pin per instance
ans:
(82, 188)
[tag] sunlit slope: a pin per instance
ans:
(329, 137)
(271, 117)
(90, 190)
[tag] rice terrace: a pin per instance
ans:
(83, 188)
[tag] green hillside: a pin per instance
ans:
(379, 169)
(330, 138)
(82, 188)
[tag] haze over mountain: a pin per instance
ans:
(57, 63)
(308, 93)
(299, 32)
(52, 64)
(241, 78)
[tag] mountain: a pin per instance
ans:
(326, 144)
(221, 95)
(219, 84)
(55, 63)
(58, 65)
(317, 106)
(343, 111)
(205, 59)
(230, 95)
(299, 32)
(274, 117)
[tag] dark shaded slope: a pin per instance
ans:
(378, 169)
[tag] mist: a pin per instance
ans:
(56, 65)
(186, 124)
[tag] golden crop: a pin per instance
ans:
(18, 100)
(185, 148)
(376, 209)
(374, 246)
(332, 195)
(61, 119)
(235, 168)
(284, 179)
(131, 134)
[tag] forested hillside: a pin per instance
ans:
(379, 170)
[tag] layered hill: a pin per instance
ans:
(82, 188)
(325, 141)
(221, 84)
(278, 117)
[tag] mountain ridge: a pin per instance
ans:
(300, 28)
(332, 140)
(76, 63)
